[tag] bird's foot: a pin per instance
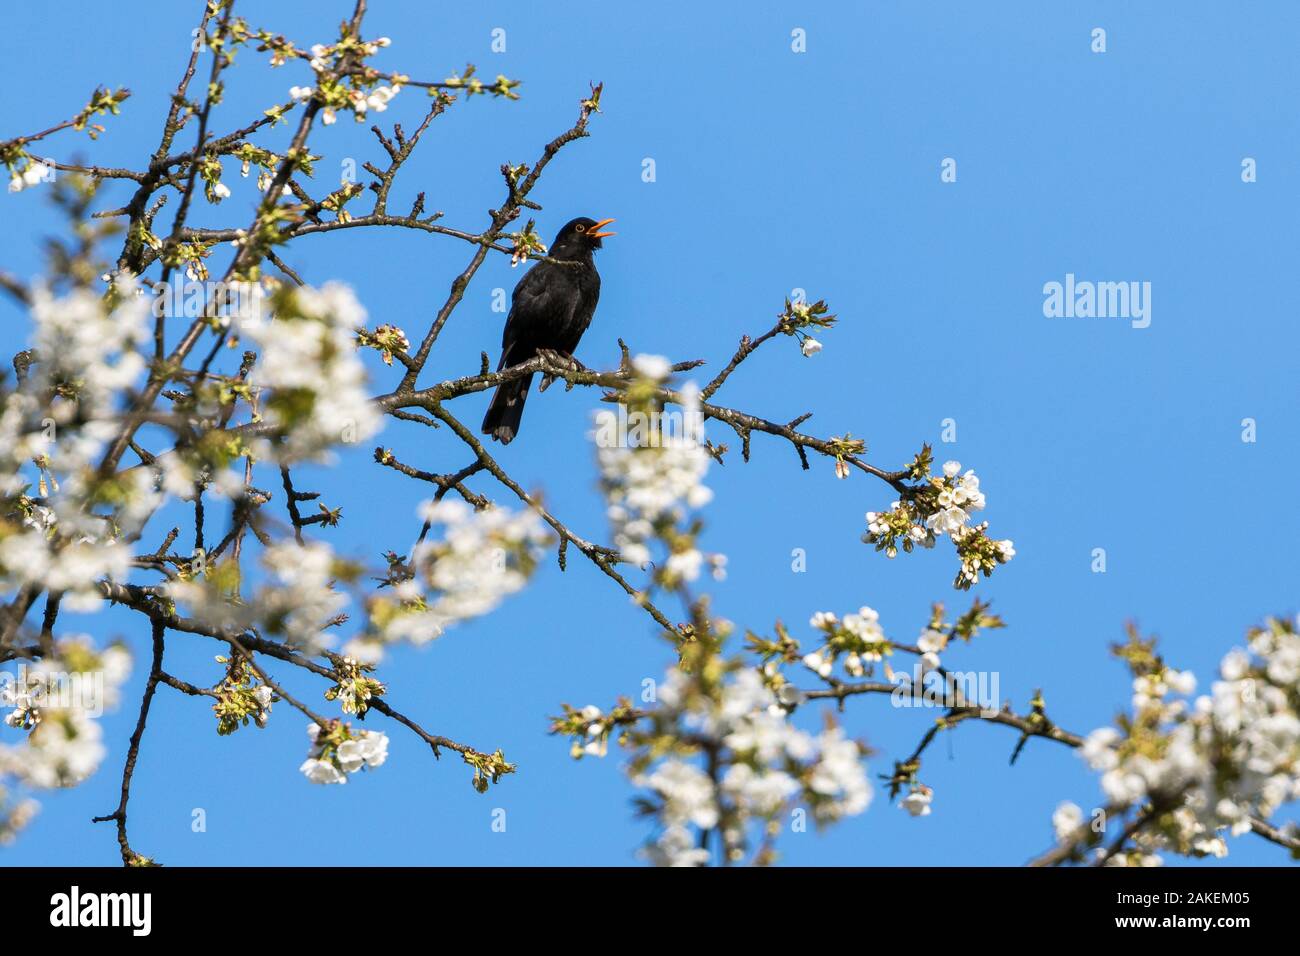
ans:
(563, 360)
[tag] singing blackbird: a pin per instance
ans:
(552, 306)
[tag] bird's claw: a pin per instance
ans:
(568, 362)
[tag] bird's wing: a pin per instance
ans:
(542, 300)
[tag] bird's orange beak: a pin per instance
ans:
(594, 232)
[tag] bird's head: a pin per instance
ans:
(579, 237)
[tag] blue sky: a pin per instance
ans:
(775, 170)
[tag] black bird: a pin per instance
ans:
(552, 306)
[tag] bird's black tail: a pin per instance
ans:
(507, 408)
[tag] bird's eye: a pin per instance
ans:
(581, 228)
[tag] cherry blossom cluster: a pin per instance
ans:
(858, 638)
(354, 688)
(296, 601)
(719, 754)
(53, 427)
(338, 89)
(51, 735)
(799, 316)
(338, 751)
(311, 379)
(15, 815)
(652, 470)
(857, 643)
(477, 560)
(938, 506)
(1204, 768)
(241, 696)
(342, 84)
(33, 172)
(265, 160)
(481, 558)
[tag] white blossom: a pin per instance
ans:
(380, 96)
(654, 367)
(322, 771)
(1229, 757)
(56, 703)
(1066, 820)
(314, 378)
(687, 793)
(297, 601)
(370, 749)
(332, 759)
(917, 802)
(649, 488)
(676, 847)
(839, 775)
(482, 558)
